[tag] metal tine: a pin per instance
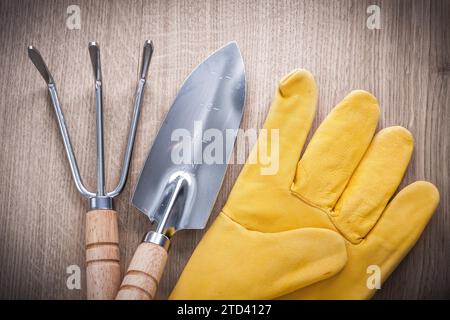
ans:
(39, 63)
(94, 52)
(101, 199)
(146, 58)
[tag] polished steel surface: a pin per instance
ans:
(94, 52)
(181, 195)
(147, 53)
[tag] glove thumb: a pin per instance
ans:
(232, 262)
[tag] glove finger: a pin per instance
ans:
(290, 117)
(383, 248)
(400, 226)
(373, 183)
(232, 262)
(336, 149)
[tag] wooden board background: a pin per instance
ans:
(406, 65)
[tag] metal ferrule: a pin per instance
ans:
(158, 238)
(100, 203)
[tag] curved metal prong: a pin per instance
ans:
(94, 52)
(39, 63)
(146, 58)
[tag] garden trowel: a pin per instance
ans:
(183, 173)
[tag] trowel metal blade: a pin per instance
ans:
(195, 142)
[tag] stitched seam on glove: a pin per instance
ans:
(330, 213)
(227, 212)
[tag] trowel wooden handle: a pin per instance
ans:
(144, 273)
(102, 255)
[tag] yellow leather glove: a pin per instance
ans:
(312, 229)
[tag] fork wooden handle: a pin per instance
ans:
(144, 273)
(102, 255)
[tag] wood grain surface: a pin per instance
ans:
(406, 64)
